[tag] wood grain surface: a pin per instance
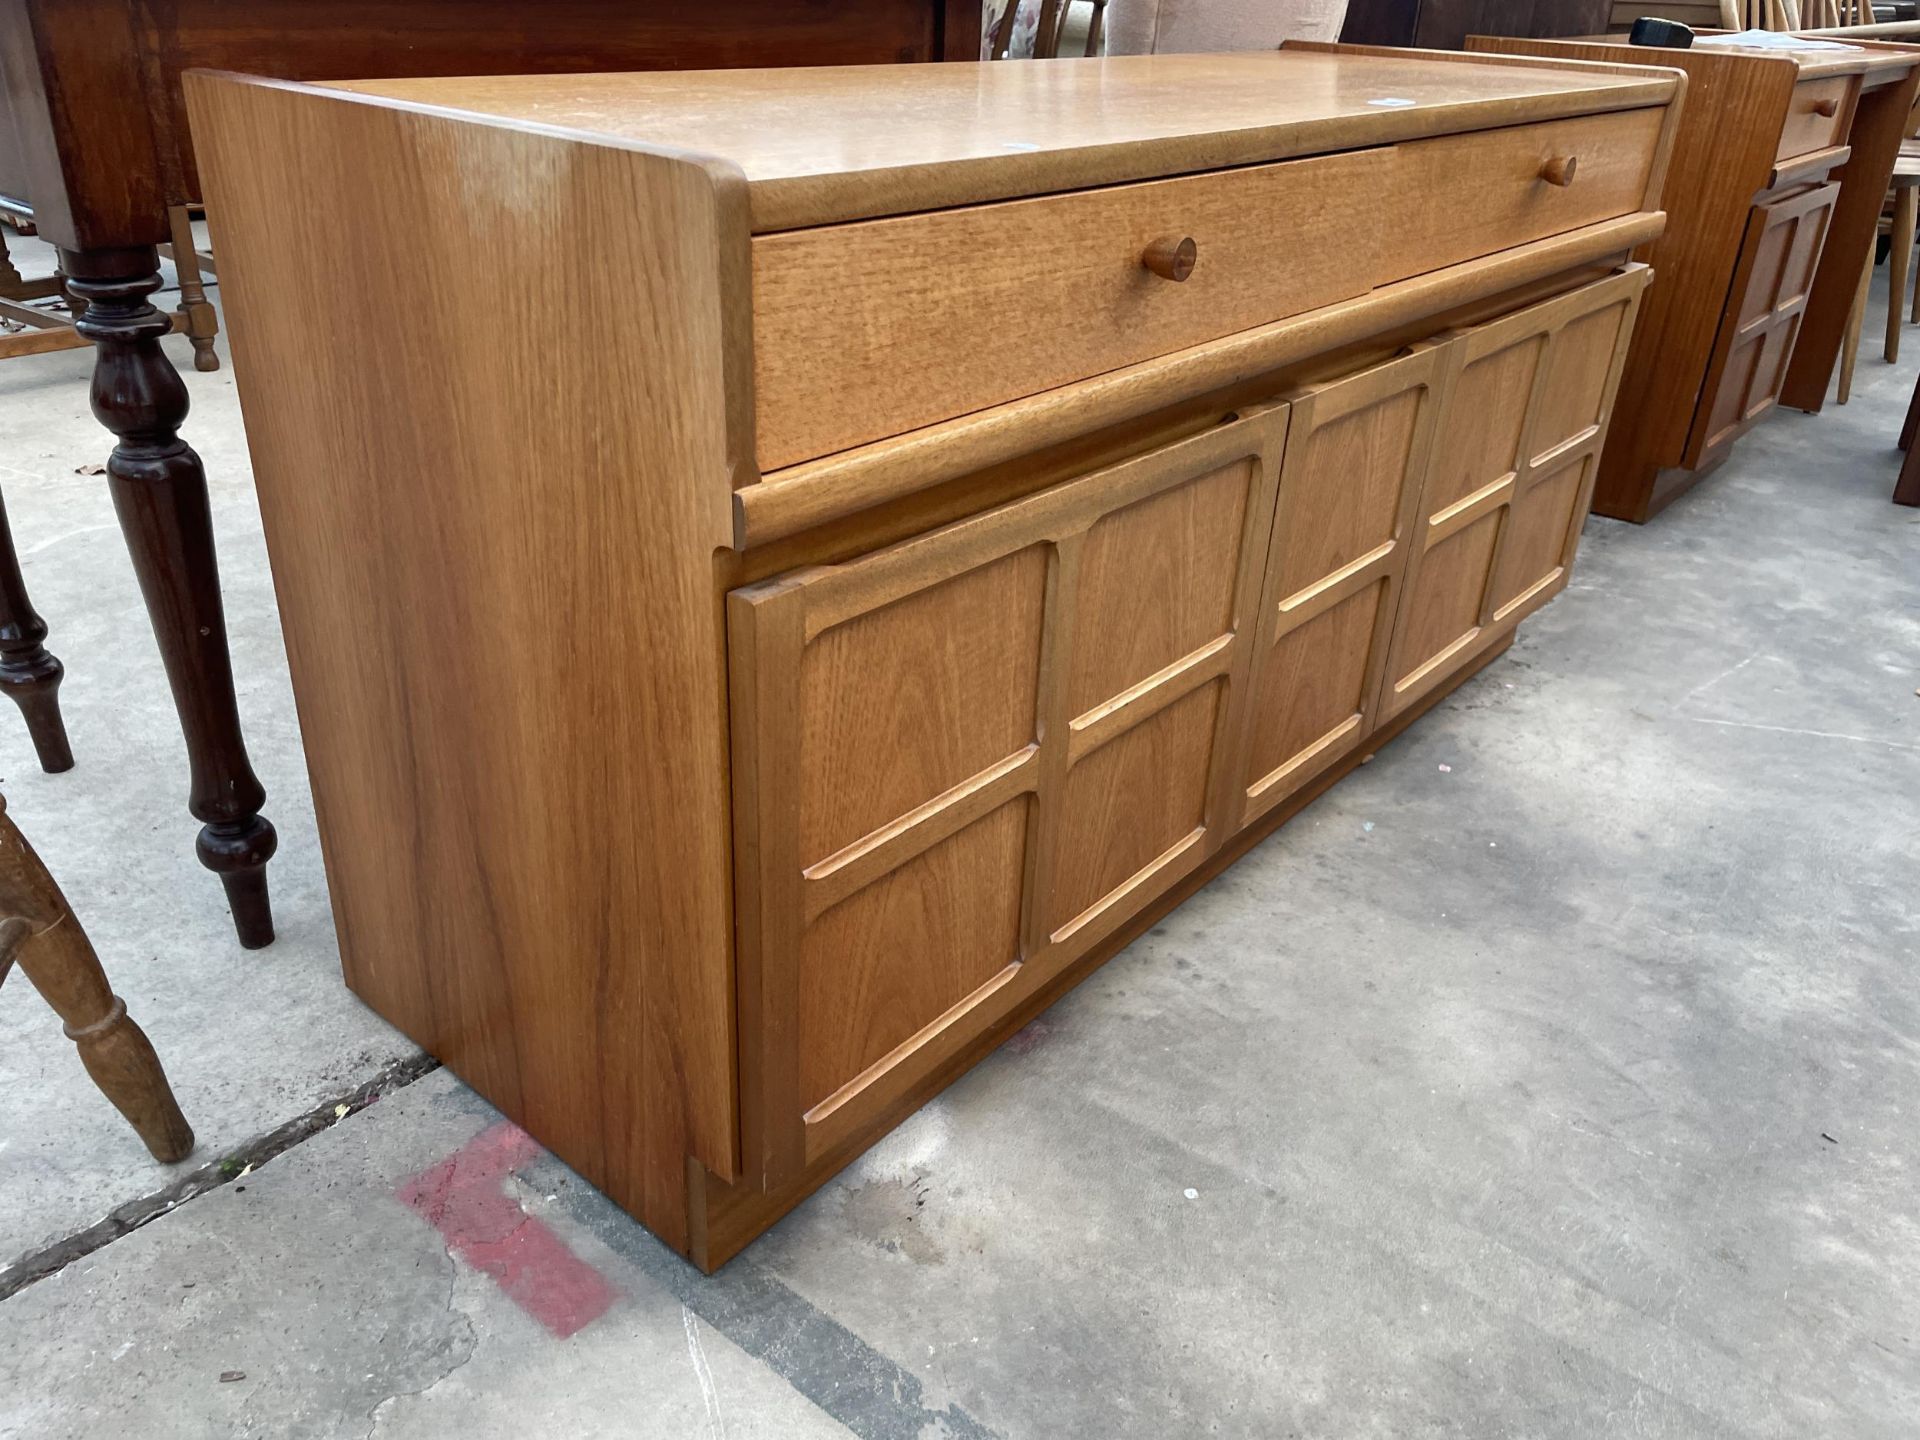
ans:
(498, 594)
(845, 143)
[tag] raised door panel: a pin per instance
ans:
(1771, 280)
(962, 760)
(1356, 451)
(1524, 410)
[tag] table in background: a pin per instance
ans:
(1777, 180)
(97, 151)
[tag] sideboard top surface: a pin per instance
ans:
(820, 145)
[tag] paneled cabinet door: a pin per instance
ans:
(1356, 451)
(1771, 280)
(961, 761)
(1523, 412)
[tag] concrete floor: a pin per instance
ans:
(1554, 1076)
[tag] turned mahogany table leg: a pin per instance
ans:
(29, 675)
(160, 495)
(39, 932)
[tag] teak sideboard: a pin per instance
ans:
(956, 513)
(1779, 170)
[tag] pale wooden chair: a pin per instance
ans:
(39, 933)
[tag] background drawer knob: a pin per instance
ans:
(1171, 259)
(1827, 105)
(1560, 169)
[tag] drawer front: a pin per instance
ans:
(868, 330)
(1771, 280)
(1463, 196)
(1524, 410)
(1356, 452)
(962, 761)
(1819, 115)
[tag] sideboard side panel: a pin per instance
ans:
(498, 587)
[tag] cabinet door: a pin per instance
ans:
(1356, 452)
(961, 761)
(1522, 415)
(1775, 271)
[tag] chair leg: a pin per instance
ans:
(10, 277)
(1906, 199)
(1913, 317)
(29, 675)
(1911, 425)
(202, 323)
(40, 934)
(1906, 490)
(1856, 320)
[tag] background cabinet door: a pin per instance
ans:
(1522, 415)
(1761, 320)
(961, 761)
(1356, 453)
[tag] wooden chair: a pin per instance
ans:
(1835, 12)
(1898, 223)
(38, 932)
(1053, 24)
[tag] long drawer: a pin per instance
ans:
(869, 330)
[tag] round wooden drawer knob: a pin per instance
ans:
(1827, 106)
(1560, 170)
(1171, 259)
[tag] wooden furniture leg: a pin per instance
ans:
(1913, 317)
(160, 496)
(202, 323)
(1906, 200)
(29, 675)
(41, 934)
(1856, 321)
(1096, 29)
(1906, 490)
(10, 277)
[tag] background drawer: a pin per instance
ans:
(1817, 116)
(867, 330)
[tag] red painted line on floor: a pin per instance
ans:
(464, 1197)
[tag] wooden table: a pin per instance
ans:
(101, 151)
(772, 693)
(1779, 172)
